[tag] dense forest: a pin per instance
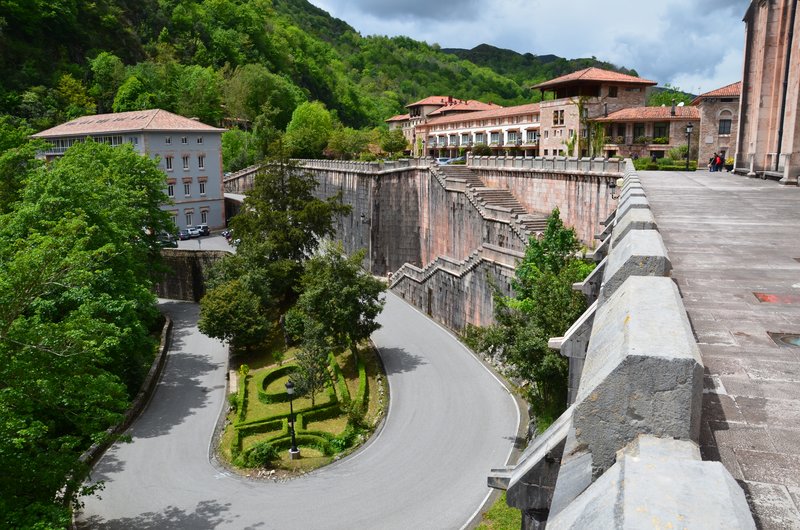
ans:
(67, 58)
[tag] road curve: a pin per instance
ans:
(448, 423)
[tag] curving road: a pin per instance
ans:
(448, 423)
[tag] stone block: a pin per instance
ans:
(640, 253)
(630, 203)
(631, 191)
(634, 219)
(659, 483)
(642, 374)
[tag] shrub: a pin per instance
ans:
(481, 150)
(261, 454)
(233, 401)
(662, 140)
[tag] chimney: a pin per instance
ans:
(449, 100)
(672, 111)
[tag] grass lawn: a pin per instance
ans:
(501, 517)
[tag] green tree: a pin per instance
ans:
(667, 96)
(309, 131)
(312, 361)
(482, 150)
(346, 143)
(544, 305)
(253, 86)
(231, 312)
(76, 312)
(394, 142)
(73, 97)
(133, 95)
(339, 296)
(282, 222)
(199, 94)
(108, 74)
(239, 149)
(17, 159)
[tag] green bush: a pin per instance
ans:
(661, 140)
(233, 401)
(242, 399)
(361, 394)
(260, 455)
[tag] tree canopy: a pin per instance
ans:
(76, 315)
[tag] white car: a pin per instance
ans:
(193, 231)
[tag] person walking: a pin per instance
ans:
(712, 163)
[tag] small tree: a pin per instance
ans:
(394, 141)
(481, 150)
(312, 360)
(309, 131)
(232, 312)
(337, 294)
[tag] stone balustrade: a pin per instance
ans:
(556, 163)
(353, 166)
(625, 453)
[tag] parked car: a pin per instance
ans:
(456, 161)
(165, 240)
(183, 234)
(442, 161)
(193, 231)
(204, 230)
(227, 233)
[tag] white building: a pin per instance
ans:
(189, 154)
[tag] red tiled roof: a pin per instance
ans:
(430, 100)
(652, 114)
(137, 120)
(399, 117)
(493, 113)
(594, 75)
(464, 106)
(734, 90)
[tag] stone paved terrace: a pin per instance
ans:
(729, 237)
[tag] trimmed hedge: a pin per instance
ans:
(341, 382)
(241, 412)
(265, 379)
(361, 394)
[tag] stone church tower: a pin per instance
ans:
(768, 144)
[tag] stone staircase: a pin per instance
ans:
(497, 199)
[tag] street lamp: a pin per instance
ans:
(689, 129)
(294, 452)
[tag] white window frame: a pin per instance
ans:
(168, 162)
(202, 187)
(187, 189)
(185, 162)
(201, 161)
(171, 191)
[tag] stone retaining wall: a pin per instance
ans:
(625, 453)
(185, 269)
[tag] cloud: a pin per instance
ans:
(675, 41)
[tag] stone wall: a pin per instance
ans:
(408, 216)
(184, 278)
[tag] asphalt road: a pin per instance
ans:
(448, 423)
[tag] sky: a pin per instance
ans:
(697, 46)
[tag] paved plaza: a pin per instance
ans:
(734, 243)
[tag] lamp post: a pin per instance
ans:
(294, 452)
(689, 129)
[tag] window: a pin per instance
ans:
(532, 136)
(480, 138)
(724, 126)
(202, 188)
(204, 217)
(571, 133)
(661, 130)
(185, 161)
(547, 134)
(187, 189)
(555, 117)
(184, 140)
(189, 216)
(168, 162)
(168, 140)
(512, 137)
(201, 161)
(170, 190)
(612, 91)
(495, 137)
(199, 139)
(638, 130)
(134, 140)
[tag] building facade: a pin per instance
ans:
(506, 130)
(768, 143)
(650, 132)
(189, 154)
(580, 98)
(719, 121)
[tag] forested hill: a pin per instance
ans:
(528, 69)
(241, 59)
